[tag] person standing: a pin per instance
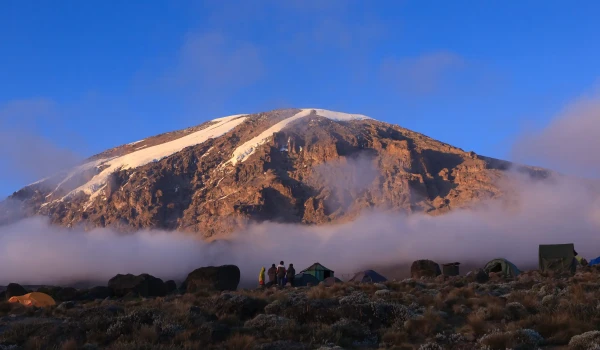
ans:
(291, 273)
(261, 277)
(281, 274)
(272, 274)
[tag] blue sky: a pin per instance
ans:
(82, 76)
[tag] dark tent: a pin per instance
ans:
(557, 258)
(319, 271)
(303, 279)
(368, 276)
(507, 268)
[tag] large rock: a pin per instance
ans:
(99, 292)
(424, 268)
(226, 277)
(478, 275)
(143, 285)
(59, 293)
(171, 286)
(14, 290)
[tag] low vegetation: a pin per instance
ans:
(529, 312)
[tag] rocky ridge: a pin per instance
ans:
(306, 166)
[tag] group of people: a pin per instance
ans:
(278, 274)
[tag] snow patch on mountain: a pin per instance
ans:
(244, 151)
(136, 142)
(147, 155)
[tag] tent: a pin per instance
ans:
(34, 299)
(507, 268)
(557, 258)
(319, 271)
(368, 276)
(595, 261)
(303, 279)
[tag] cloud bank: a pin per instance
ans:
(553, 211)
(569, 143)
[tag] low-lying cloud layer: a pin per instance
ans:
(558, 211)
(569, 143)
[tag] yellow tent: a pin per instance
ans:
(34, 299)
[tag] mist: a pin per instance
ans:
(559, 210)
(569, 142)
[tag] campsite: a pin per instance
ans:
(496, 306)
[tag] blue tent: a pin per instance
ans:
(368, 276)
(594, 261)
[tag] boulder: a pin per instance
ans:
(479, 276)
(424, 268)
(305, 280)
(66, 305)
(171, 286)
(143, 285)
(99, 292)
(14, 290)
(330, 281)
(226, 277)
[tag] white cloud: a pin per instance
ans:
(569, 143)
(421, 74)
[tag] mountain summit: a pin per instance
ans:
(309, 166)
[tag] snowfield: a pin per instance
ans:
(150, 154)
(244, 151)
(144, 155)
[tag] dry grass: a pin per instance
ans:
(146, 334)
(476, 324)
(240, 342)
(530, 301)
(497, 341)
(426, 326)
(320, 292)
(437, 311)
(69, 345)
(397, 338)
(556, 328)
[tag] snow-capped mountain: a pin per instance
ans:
(310, 166)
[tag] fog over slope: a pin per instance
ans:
(557, 210)
(32, 251)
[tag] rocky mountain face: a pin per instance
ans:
(305, 166)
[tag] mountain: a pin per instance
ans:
(309, 166)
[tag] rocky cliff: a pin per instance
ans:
(306, 166)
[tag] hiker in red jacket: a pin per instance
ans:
(281, 274)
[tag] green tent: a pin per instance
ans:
(502, 265)
(319, 271)
(557, 258)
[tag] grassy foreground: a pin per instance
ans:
(529, 312)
